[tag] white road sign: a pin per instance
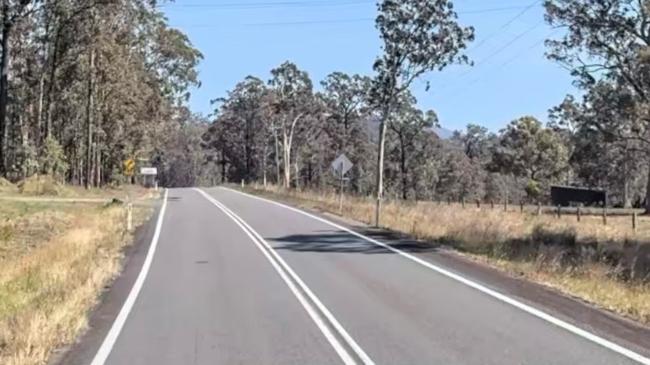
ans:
(342, 165)
(148, 171)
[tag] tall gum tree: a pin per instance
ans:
(293, 91)
(608, 41)
(418, 36)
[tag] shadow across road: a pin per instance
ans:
(341, 241)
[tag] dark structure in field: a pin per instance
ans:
(569, 195)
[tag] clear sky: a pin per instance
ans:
(511, 76)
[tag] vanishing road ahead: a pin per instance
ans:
(234, 279)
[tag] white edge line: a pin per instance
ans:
(120, 320)
(515, 303)
(340, 350)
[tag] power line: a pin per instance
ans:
(317, 3)
(524, 51)
(504, 64)
(310, 22)
(342, 21)
(506, 24)
(490, 56)
(265, 5)
(509, 43)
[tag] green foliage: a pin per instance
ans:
(527, 149)
(53, 159)
(533, 190)
(605, 46)
(78, 119)
(418, 36)
(41, 185)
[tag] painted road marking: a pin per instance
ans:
(116, 328)
(287, 274)
(504, 298)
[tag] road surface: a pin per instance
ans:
(233, 279)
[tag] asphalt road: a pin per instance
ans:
(215, 293)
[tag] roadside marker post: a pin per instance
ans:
(129, 217)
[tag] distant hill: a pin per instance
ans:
(443, 133)
(373, 127)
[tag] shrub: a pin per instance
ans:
(52, 160)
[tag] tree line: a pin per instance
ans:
(88, 84)
(286, 130)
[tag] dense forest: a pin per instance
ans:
(88, 84)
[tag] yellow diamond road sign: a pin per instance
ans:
(129, 167)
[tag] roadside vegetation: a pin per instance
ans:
(607, 265)
(56, 258)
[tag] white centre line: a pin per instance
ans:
(289, 276)
(116, 328)
(493, 293)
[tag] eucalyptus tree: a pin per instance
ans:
(408, 124)
(11, 13)
(418, 36)
(528, 149)
(241, 113)
(598, 131)
(292, 103)
(93, 82)
(345, 98)
(608, 42)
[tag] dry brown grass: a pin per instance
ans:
(607, 265)
(55, 259)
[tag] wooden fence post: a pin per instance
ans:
(505, 205)
(462, 202)
(578, 213)
(539, 208)
(478, 204)
(492, 204)
(634, 221)
(521, 207)
(559, 211)
(604, 215)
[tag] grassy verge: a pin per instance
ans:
(607, 265)
(55, 260)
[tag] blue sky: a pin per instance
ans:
(511, 76)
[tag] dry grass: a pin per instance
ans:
(44, 186)
(55, 259)
(608, 265)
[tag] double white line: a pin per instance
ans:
(344, 345)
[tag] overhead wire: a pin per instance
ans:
(331, 21)
(500, 49)
(502, 65)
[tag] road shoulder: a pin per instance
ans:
(110, 302)
(618, 329)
